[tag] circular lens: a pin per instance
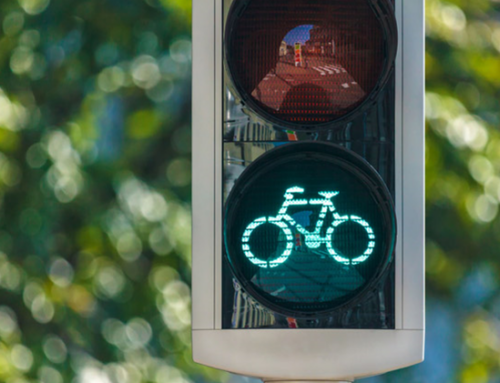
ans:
(309, 228)
(304, 63)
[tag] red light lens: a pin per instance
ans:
(306, 62)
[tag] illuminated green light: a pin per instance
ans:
(308, 228)
(313, 240)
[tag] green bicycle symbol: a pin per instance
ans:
(313, 240)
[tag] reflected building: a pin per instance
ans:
(283, 49)
(322, 41)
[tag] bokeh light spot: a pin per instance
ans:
(42, 309)
(55, 349)
(34, 7)
(480, 168)
(22, 357)
(13, 23)
(180, 51)
(146, 72)
(110, 281)
(453, 17)
(8, 321)
(129, 246)
(30, 38)
(61, 272)
(36, 156)
(48, 374)
(111, 79)
(162, 92)
(179, 172)
(139, 332)
(159, 242)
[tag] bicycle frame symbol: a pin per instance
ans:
(313, 240)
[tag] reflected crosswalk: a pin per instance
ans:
(323, 80)
(329, 70)
(323, 73)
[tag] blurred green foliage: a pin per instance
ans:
(463, 180)
(462, 193)
(95, 190)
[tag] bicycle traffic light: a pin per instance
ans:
(308, 187)
(345, 222)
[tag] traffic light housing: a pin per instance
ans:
(308, 249)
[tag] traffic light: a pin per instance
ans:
(308, 199)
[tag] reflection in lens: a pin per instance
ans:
(304, 62)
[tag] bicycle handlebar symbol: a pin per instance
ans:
(313, 239)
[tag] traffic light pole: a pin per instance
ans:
(247, 94)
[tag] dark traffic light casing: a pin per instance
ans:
(308, 187)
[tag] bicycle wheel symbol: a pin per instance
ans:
(282, 258)
(341, 258)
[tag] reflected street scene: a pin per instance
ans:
(308, 76)
(307, 63)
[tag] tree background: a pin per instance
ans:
(95, 190)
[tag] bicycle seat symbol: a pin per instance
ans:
(313, 240)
